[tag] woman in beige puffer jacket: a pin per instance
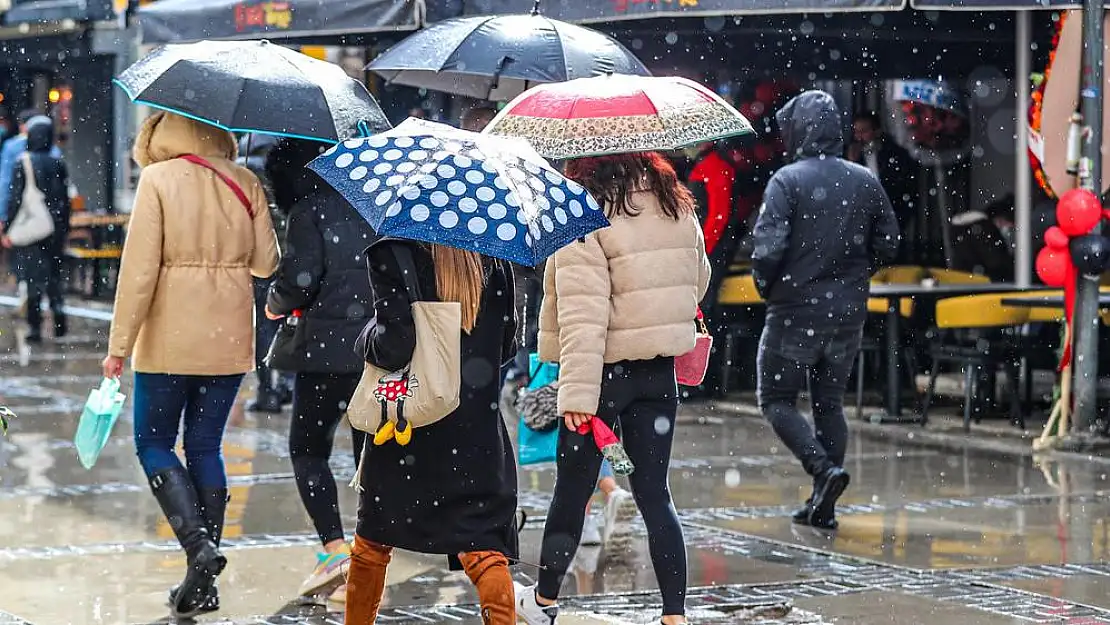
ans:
(184, 314)
(618, 307)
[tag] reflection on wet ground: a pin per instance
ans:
(926, 535)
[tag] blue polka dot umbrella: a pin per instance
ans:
(431, 182)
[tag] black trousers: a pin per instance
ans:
(792, 357)
(319, 402)
(642, 397)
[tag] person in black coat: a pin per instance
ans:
(322, 285)
(452, 490)
(40, 264)
(825, 227)
(896, 170)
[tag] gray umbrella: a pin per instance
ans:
(254, 86)
(499, 57)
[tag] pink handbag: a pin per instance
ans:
(690, 368)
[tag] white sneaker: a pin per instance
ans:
(529, 611)
(591, 532)
(620, 510)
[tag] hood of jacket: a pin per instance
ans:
(810, 126)
(165, 136)
(40, 134)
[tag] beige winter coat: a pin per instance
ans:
(185, 304)
(629, 292)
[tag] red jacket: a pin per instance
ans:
(718, 176)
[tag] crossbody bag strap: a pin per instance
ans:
(408, 270)
(231, 184)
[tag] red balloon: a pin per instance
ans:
(1052, 267)
(1079, 210)
(1056, 239)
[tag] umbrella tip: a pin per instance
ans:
(535, 7)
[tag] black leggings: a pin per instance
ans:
(319, 401)
(642, 397)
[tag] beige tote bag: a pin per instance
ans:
(425, 391)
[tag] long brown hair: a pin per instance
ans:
(460, 278)
(613, 178)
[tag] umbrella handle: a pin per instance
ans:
(363, 129)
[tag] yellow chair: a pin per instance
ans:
(739, 291)
(992, 345)
(903, 274)
(952, 276)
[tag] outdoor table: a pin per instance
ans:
(894, 294)
(1048, 301)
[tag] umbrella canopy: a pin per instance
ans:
(431, 182)
(254, 86)
(617, 114)
(498, 57)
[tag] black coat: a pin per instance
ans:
(323, 274)
(34, 262)
(51, 177)
(826, 224)
(453, 488)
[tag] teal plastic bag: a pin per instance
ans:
(99, 415)
(538, 447)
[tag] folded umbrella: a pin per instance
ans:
(498, 57)
(254, 86)
(617, 114)
(431, 182)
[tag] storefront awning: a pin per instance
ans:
(613, 10)
(48, 11)
(995, 5)
(176, 21)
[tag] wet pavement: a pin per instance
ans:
(926, 535)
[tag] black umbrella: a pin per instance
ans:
(254, 86)
(499, 57)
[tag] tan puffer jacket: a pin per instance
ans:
(185, 304)
(629, 292)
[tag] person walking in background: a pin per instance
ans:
(39, 265)
(452, 490)
(10, 151)
(895, 169)
(825, 227)
(272, 391)
(618, 307)
(322, 282)
(200, 228)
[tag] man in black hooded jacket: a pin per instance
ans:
(40, 264)
(826, 225)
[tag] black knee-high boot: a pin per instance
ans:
(179, 501)
(213, 507)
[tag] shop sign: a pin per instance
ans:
(929, 92)
(263, 16)
(622, 6)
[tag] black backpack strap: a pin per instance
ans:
(408, 270)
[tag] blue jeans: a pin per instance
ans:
(162, 402)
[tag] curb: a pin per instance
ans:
(923, 437)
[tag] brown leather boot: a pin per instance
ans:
(489, 570)
(366, 581)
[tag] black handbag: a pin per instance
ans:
(288, 348)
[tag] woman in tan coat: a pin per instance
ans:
(184, 313)
(618, 307)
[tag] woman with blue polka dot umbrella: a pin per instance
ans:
(431, 182)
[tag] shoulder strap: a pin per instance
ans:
(408, 270)
(231, 184)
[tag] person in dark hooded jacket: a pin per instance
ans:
(40, 264)
(323, 280)
(825, 227)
